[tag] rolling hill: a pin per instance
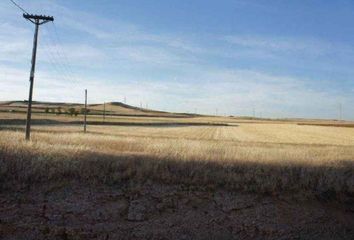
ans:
(110, 108)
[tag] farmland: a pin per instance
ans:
(196, 163)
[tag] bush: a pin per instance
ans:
(59, 111)
(71, 111)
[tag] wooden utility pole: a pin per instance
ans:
(36, 20)
(85, 113)
(104, 111)
(340, 112)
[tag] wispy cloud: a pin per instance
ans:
(288, 45)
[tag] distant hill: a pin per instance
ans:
(110, 108)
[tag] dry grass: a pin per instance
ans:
(252, 157)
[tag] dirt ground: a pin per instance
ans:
(155, 211)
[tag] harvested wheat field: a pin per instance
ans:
(247, 180)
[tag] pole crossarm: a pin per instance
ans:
(38, 19)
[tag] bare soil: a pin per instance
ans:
(71, 210)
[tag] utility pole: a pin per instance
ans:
(85, 117)
(36, 20)
(104, 111)
(340, 111)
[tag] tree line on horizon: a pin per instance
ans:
(68, 111)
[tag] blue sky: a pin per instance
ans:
(280, 58)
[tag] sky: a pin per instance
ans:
(276, 59)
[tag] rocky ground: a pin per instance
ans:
(156, 211)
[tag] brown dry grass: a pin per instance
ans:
(252, 157)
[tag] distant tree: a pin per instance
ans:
(52, 110)
(82, 110)
(59, 111)
(71, 111)
(76, 113)
(46, 110)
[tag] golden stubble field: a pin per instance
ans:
(261, 157)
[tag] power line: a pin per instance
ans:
(55, 61)
(59, 45)
(18, 6)
(56, 51)
(59, 59)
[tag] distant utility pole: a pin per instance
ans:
(340, 111)
(104, 111)
(36, 20)
(85, 113)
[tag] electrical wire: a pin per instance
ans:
(18, 6)
(58, 57)
(54, 62)
(59, 44)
